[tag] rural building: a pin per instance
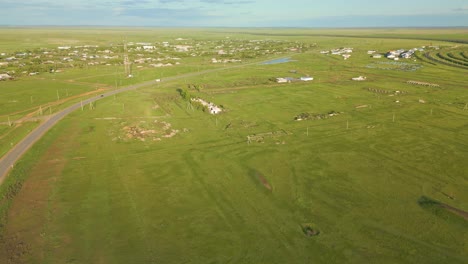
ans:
(307, 79)
(4, 76)
(285, 80)
(282, 80)
(360, 78)
(182, 48)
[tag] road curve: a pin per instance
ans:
(8, 160)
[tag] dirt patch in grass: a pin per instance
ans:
(24, 233)
(427, 202)
(143, 131)
(455, 210)
(264, 181)
(310, 230)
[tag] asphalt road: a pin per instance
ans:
(8, 160)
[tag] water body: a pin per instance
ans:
(277, 61)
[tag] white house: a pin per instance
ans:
(307, 79)
(182, 48)
(282, 80)
(4, 76)
(360, 78)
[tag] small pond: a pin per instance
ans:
(277, 61)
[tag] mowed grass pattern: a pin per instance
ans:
(198, 197)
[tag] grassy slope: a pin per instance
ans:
(197, 197)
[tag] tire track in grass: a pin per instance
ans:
(223, 206)
(433, 248)
(263, 203)
(140, 219)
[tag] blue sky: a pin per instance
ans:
(237, 13)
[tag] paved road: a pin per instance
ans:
(8, 161)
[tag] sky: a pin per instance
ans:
(235, 13)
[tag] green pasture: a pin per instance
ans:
(241, 186)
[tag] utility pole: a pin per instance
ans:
(393, 117)
(127, 64)
(58, 96)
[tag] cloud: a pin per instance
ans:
(135, 2)
(461, 9)
(171, 1)
(239, 2)
(178, 16)
(433, 20)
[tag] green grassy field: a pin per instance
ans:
(191, 188)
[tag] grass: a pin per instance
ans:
(197, 197)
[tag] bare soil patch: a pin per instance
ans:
(143, 131)
(264, 181)
(455, 211)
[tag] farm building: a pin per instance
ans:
(360, 78)
(4, 76)
(284, 80)
(307, 79)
